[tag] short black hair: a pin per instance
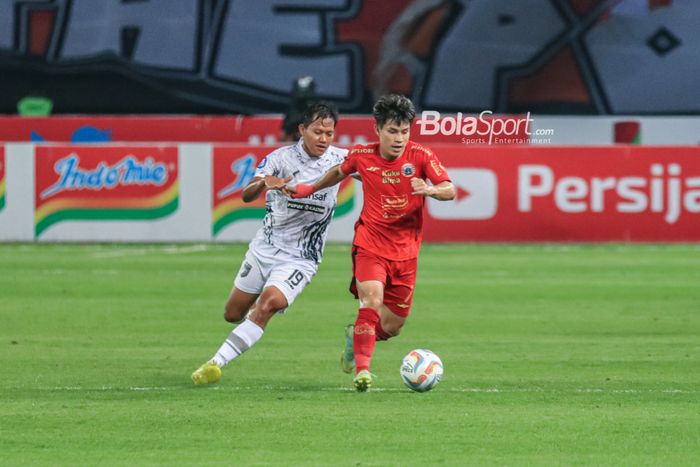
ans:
(393, 107)
(322, 110)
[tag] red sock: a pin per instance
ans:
(381, 333)
(364, 337)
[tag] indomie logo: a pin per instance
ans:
(128, 171)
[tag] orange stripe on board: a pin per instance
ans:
(160, 199)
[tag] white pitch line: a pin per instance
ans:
(168, 250)
(349, 389)
(151, 389)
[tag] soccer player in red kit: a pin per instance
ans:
(389, 231)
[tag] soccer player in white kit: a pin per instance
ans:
(285, 253)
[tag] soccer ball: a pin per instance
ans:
(421, 370)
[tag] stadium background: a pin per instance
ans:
(586, 73)
(203, 56)
(581, 352)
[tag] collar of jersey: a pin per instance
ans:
(300, 146)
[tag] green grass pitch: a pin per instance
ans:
(554, 355)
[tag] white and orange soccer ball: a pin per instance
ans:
(421, 370)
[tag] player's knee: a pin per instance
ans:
(270, 305)
(372, 302)
(234, 313)
(234, 318)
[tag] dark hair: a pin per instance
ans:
(393, 107)
(322, 110)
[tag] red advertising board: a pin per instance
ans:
(104, 183)
(625, 193)
(232, 170)
(264, 130)
(101, 129)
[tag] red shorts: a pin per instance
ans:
(398, 277)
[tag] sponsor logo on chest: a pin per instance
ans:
(391, 177)
(306, 207)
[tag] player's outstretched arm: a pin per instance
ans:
(332, 177)
(443, 191)
(254, 189)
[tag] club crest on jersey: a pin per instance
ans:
(408, 170)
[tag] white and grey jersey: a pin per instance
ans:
(298, 226)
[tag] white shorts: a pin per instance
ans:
(265, 265)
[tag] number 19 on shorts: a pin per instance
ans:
(295, 278)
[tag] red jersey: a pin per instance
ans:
(391, 222)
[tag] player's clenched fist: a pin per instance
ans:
(276, 183)
(421, 188)
(300, 190)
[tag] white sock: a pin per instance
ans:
(241, 339)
